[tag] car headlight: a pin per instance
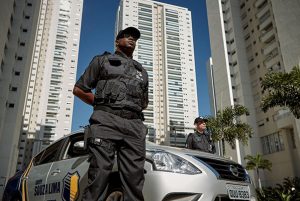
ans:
(164, 161)
(248, 178)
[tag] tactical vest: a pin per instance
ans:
(200, 142)
(122, 84)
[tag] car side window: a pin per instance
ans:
(75, 147)
(49, 154)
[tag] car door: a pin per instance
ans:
(35, 180)
(69, 172)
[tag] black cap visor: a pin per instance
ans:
(132, 31)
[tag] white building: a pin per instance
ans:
(248, 39)
(49, 100)
(17, 33)
(166, 51)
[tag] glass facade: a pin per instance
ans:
(174, 75)
(145, 54)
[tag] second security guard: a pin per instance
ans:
(121, 93)
(200, 139)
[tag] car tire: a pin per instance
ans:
(115, 195)
(114, 191)
(16, 198)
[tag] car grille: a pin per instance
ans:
(225, 170)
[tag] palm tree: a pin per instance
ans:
(283, 90)
(226, 126)
(257, 163)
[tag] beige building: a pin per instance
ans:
(249, 39)
(166, 50)
(49, 101)
(17, 33)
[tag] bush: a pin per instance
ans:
(289, 190)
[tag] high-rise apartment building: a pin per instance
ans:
(166, 51)
(17, 33)
(49, 100)
(249, 39)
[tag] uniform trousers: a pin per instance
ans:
(112, 135)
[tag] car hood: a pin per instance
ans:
(184, 151)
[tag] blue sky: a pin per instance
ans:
(97, 36)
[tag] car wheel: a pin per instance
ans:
(115, 195)
(16, 199)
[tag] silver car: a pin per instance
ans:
(59, 172)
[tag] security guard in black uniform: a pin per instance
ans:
(121, 93)
(201, 139)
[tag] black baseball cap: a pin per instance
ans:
(129, 30)
(200, 119)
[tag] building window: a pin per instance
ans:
(10, 105)
(272, 143)
(247, 36)
(8, 34)
(11, 19)
(242, 5)
(245, 26)
(15, 5)
(13, 88)
(293, 139)
(2, 66)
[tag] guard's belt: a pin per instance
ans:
(124, 113)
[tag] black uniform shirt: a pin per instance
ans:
(103, 124)
(95, 72)
(200, 141)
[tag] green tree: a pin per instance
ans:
(227, 127)
(257, 163)
(283, 90)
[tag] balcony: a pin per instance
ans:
(262, 11)
(283, 119)
(267, 35)
(259, 2)
(275, 68)
(31, 136)
(265, 23)
(270, 62)
(269, 48)
(225, 5)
